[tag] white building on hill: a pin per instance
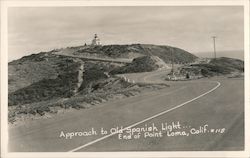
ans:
(96, 41)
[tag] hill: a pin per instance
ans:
(214, 67)
(41, 82)
(132, 51)
(46, 76)
(48, 65)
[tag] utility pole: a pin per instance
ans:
(172, 61)
(214, 37)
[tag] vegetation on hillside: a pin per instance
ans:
(36, 67)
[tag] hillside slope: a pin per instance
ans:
(33, 68)
(215, 67)
(141, 64)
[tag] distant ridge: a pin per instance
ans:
(237, 54)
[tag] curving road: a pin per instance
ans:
(191, 103)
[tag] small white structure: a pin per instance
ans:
(96, 41)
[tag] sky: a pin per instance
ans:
(35, 29)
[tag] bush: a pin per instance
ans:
(31, 111)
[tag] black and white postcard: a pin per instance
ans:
(125, 78)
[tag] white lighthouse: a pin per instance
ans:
(96, 41)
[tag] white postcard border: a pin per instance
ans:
(37, 3)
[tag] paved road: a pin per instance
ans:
(202, 102)
(218, 110)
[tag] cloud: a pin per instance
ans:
(34, 29)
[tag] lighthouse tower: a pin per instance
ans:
(96, 41)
